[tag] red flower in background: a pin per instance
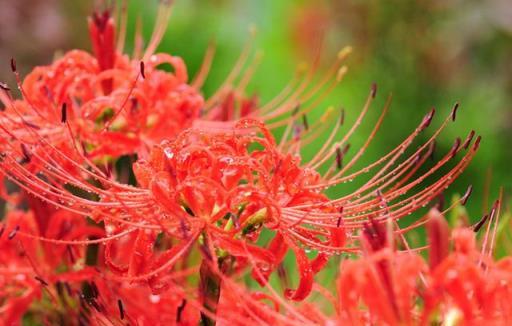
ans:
(28, 266)
(113, 104)
(463, 285)
(109, 102)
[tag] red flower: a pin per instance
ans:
(30, 268)
(109, 102)
(465, 285)
(113, 104)
(221, 188)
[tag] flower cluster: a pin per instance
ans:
(463, 286)
(131, 197)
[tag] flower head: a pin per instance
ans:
(462, 285)
(112, 104)
(221, 188)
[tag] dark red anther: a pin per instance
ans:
(340, 220)
(440, 201)
(121, 308)
(342, 116)
(134, 107)
(70, 254)
(64, 113)
(4, 86)
(455, 147)
(40, 280)
(339, 158)
(179, 310)
(469, 139)
(427, 120)
(13, 233)
(13, 65)
(374, 89)
(494, 208)
(454, 111)
(480, 223)
(2, 229)
(27, 155)
(142, 70)
(466, 196)
(305, 122)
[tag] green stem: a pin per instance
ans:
(209, 288)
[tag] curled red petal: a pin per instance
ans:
(305, 274)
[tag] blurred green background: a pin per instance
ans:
(427, 53)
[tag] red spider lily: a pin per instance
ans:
(85, 296)
(465, 285)
(29, 267)
(385, 281)
(47, 275)
(215, 187)
(213, 177)
(114, 104)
